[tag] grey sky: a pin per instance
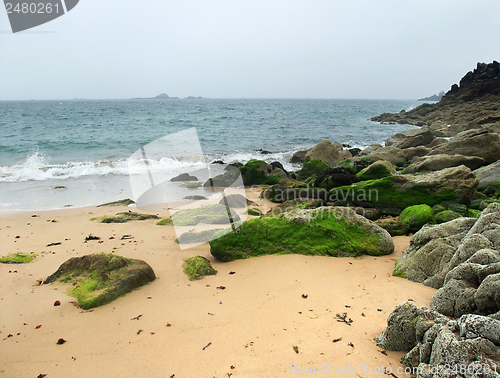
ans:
(385, 49)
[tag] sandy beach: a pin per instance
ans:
(241, 324)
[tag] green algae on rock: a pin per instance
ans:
(126, 217)
(123, 202)
(416, 216)
(394, 193)
(258, 172)
(101, 277)
(18, 258)
(313, 167)
(165, 222)
(197, 267)
(377, 170)
(325, 231)
(210, 214)
(447, 215)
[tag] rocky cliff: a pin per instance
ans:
(475, 101)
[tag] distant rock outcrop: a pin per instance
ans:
(468, 105)
(435, 97)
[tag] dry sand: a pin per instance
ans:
(249, 329)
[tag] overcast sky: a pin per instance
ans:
(389, 49)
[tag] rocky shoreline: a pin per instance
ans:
(441, 182)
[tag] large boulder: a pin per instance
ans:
(332, 153)
(377, 170)
(441, 347)
(417, 216)
(411, 138)
(391, 154)
(394, 193)
(489, 174)
(258, 172)
(334, 177)
(331, 231)
(476, 142)
(442, 161)
(313, 167)
(430, 250)
(100, 278)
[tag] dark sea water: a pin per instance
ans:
(84, 146)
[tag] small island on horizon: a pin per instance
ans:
(164, 96)
(434, 97)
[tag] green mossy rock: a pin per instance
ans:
(377, 170)
(123, 202)
(438, 208)
(394, 193)
(258, 172)
(198, 267)
(18, 258)
(313, 167)
(254, 212)
(127, 217)
(458, 208)
(165, 222)
(446, 216)
(394, 227)
(101, 278)
(197, 237)
(326, 231)
(210, 214)
(416, 216)
(473, 213)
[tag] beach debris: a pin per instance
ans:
(38, 326)
(211, 314)
(149, 297)
(383, 352)
(206, 346)
(139, 331)
(249, 344)
(57, 303)
(60, 341)
(336, 340)
(169, 325)
(34, 216)
(379, 309)
(172, 376)
(10, 335)
(41, 375)
(363, 314)
(126, 236)
(387, 372)
(296, 349)
(92, 237)
(304, 296)
(52, 244)
(221, 287)
(350, 344)
(18, 237)
(343, 318)
(152, 333)
(233, 367)
(73, 358)
(347, 306)
(232, 272)
(137, 317)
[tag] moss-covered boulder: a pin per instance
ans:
(327, 231)
(258, 172)
(313, 167)
(446, 216)
(394, 193)
(394, 227)
(123, 202)
(210, 214)
(289, 190)
(224, 180)
(335, 177)
(127, 217)
(101, 278)
(458, 208)
(438, 208)
(197, 267)
(416, 216)
(377, 170)
(254, 212)
(18, 258)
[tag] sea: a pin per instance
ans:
(74, 153)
